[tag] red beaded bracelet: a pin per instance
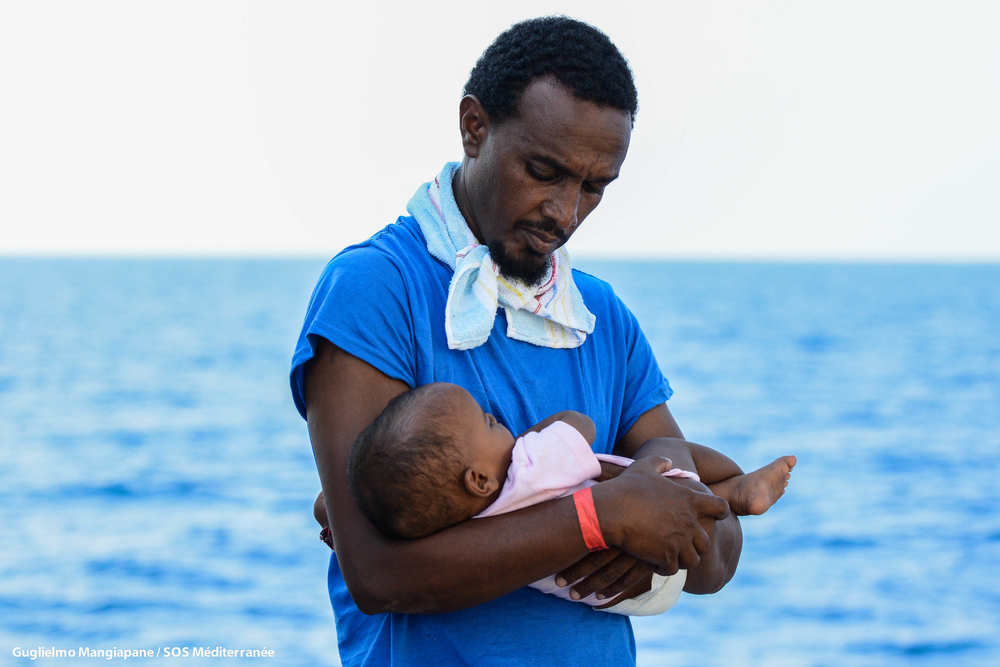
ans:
(586, 513)
(326, 536)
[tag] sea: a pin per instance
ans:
(156, 481)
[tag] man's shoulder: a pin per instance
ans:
(394, 253)
(590, 282)
(597, 294)
(615, 320)
(401, 240)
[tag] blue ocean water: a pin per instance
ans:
(156, 481)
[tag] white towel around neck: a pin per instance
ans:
(550, 314)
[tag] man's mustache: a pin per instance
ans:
(550, 228)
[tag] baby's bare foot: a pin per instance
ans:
(755, 492)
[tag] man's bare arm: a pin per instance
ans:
(474, 561)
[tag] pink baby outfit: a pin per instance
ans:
(557, 462)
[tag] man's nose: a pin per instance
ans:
(564, 208)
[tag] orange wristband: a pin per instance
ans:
(586, 513)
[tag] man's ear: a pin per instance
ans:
(478, 483)
(474, 123)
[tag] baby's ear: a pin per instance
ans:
(478, 483)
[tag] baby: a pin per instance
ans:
(434, 458)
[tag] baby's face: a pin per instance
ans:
(486, 441)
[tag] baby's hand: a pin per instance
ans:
(609, 471)
(578, 420)
(319, 511)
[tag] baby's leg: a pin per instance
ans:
(755, 492)
(710, 465)
(751, 493)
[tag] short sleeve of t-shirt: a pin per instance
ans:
(359, 305)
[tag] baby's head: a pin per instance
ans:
(432, 459)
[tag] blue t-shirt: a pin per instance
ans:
(383, 301)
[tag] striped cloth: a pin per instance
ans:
(551, 314)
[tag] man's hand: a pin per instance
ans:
(614, 571)
(640, 496)
(609, 572)
(718, 564)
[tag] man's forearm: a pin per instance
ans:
(718, 563)
(462, 566)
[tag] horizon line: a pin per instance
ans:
(579, 256)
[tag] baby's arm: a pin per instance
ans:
(578, 420)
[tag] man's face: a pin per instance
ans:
(537, 176)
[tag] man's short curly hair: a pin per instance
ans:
(405, 468)
(577, 54)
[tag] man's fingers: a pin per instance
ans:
(604, 577)
(586, 566)
(635, 574)
(713, 506)
(640, 587)
(661, 464)
(668, 569)
(701, 541)
(688, 558)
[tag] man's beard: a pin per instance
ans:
(527, 270)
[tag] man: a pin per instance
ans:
(545, 125)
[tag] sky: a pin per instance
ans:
(766, 130)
